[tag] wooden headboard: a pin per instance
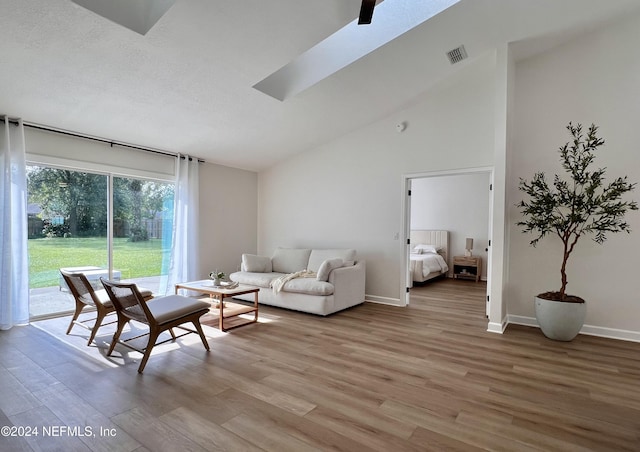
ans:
(431, 237)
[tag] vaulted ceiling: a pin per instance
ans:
(187, 84)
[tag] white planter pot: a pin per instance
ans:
(558, 320)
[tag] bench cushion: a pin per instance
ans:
(172, 307)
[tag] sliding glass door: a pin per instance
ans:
(67, 221)
(97, 224)
(142, 222)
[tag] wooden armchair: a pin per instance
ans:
(85, 296)
(161, 314)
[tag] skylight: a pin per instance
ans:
(391, 19)
(138, 15)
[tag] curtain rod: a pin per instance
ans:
(101, 140)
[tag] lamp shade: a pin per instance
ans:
(469, 244)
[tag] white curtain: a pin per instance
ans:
(183, 263)
(14, 268)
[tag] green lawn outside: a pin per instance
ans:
(133, 259)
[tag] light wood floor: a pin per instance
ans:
(375, 377)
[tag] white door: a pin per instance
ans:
(489, 252)
(408, 280)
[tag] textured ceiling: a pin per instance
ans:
(186, 86)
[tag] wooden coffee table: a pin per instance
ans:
(225, 310)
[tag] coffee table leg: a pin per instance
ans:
(221, 312)
(255, 303)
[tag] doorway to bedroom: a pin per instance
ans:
(451, 212)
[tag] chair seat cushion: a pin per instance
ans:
(101, 295)
(146, 293)
(171, 307)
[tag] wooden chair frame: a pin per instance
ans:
(130, 305)
(84, 296)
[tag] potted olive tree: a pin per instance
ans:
(580, 204)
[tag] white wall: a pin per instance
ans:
(228, 217)
(348, 193)
(458, 204)
(503, 124)
(228, 196)
(593, 79)
(85, 154)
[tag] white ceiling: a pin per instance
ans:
(186, 86)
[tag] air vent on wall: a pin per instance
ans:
(456, 55)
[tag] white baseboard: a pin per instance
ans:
(494, 327)
(383, 300)
(499, 328)
(522, 320)
(590, 330)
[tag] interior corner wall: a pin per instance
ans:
(228, 217)
(457, 203)
(592, 79)
(348, 193)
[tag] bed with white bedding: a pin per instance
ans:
(428, 254)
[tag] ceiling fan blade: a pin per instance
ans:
(366, 12)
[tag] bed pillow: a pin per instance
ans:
(256, 264)
(326, 267)
(427, 249)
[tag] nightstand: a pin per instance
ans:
(467, 267)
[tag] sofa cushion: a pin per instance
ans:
(255, 263)
(290, 260)
(327, 266)
(308, 286)
(254, 278)
(317, 257)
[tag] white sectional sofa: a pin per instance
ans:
(337, 282)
